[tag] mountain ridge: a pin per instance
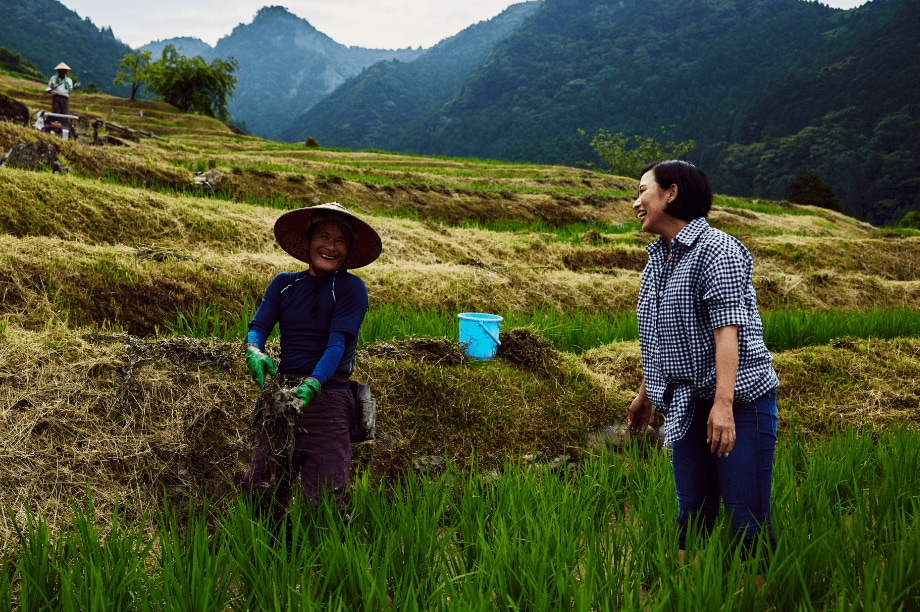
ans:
(286, 66)
(752, 82)
(769, 89)
(413, 90)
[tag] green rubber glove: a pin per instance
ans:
(259, 363)
(308, 390)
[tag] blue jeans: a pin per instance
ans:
(742, 480)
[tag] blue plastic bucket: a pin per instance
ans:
(479, 334)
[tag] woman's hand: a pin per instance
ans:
(720, 429)
(640, 411)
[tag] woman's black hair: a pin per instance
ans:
(694, 194)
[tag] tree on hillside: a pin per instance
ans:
(809, 188)
(192, 84)
(133, 68)
(11, 61)
(625, 159)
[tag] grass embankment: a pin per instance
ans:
(99, 395)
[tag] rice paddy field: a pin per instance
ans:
(502, 484)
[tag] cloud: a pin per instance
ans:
(385, 24)
(377, 24)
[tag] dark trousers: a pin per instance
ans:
(742, 480)
(321, 456)
(60, 105)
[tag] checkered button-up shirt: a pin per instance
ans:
(706, 284)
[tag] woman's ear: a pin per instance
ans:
(671, 193)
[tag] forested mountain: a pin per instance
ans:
(408, 95)
(853, 118)
(45, 32)
(768, 88)
(286, 66)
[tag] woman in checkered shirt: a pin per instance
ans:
(705, 365)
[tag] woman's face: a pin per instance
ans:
(328, 248)
(652, 204)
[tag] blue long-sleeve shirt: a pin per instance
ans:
(317, 317)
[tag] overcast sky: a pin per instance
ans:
(373, 24)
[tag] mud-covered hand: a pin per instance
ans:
(308, 390)
(259, 363)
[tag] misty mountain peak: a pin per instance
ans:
(275, 15)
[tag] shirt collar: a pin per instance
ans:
(692, 231)
(685, 238)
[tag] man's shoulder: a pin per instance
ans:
(285, 279)
(351, 280)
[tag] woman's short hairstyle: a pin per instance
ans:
(694, 195)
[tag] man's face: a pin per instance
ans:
(328, 248)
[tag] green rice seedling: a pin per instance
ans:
(36, 566)
(790, 329)
(900, 580)
(349, 571)
(579, 331)
(389, 322)
(202, 322)
(102, 571)
(300, 562)
(571, 233)
(574, 332)
(410, 533)
(275, 200)
(193, 570)
(258, 550)
(557, 520)
(210, 321)
(511, 565)
(646, 531)
(470, 517)
(528, 536)
(610, 570)
(840, 522)
(7, 572)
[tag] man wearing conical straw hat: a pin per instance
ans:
(319, 312)
(60, 87)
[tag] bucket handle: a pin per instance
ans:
(488, 333)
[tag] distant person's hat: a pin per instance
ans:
(291, 233)
(62, 66)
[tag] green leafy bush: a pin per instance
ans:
(627, 156)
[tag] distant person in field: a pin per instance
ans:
(60, 87)
(705, 365)
(319, 312)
